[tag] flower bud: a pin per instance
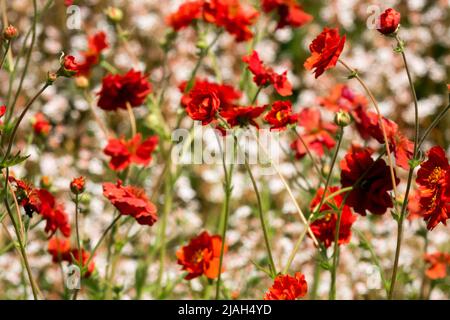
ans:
(10, 33)
(82, 82)
(389, 22)
(342, 118)
(46, 182)
(77, 185)
(114, 14)
(69, 67)
(51, 77)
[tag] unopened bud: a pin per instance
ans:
(114, 14)
(342, 118)
(82, 82)
(10, 33)
(51, 77)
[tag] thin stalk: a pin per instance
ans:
(433, 124)
(308, 152)
(5, 54)
(80, 258)
(132, 119)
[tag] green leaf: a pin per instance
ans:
(13, 161)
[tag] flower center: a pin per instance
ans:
(436, 175)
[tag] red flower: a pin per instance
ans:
(325, 228)
(414, 208)
(132, 201)
(69, 67)
(40, 124)
(341, 97)
(201, 256)
(280, 115)
(389, 21)
(187, 12)
(374, 182)
(325, 51)
(96, 44)
(289, 11)
(2, 113)
(10, 32)
(119, 90)
(286, 287)
(242, 116)
(433, 179)
(77, 185)
(439, 262)
(264, 76)
(124, 152)
(317, 135)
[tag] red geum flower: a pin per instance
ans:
(53, 212)
(317, 134)
(96, 44)
(325, 228)
(40, 124)
(124, 152)
(77, 185)
(433, 179)
(341, 97)
(389, 21)
(69, 67)
(201, 256)
(242, 116)
(415, 211)
(263, 76)
(290, 13)
(186, 13)
(325, 51)
(438, 261)
(119, 90)
(286, 287)
(131, 201)
(280, 115)
(370, 180)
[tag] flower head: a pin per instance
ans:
(40, 124)
(10, 32)
(370, 180)
(96, 45)
(438, 263)
(186, 13)
(389, 21)
(77, 185)
(325, 51)
(280, 115)
(201, 256)
(290, 13)
(60, 250)
(131, 201)
(242, 116)
(286, 287)
(119, 90)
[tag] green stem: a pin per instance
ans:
(308, 152)
(8, 45)
(80, 258)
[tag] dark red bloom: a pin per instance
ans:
(263, 76)
(280, 115)
(186, 13)
(77, 185)
(119, 90)
(131, 201)
(438, 264)
(286, 287)
(325, 51)
(61, 251)
(317, 134)
(242, 116)
(290, 13)
(201, 256)
(325, 228)
(124, 152)
(40, 124)
(433, 179)
(389, 21)
(96, 44)
(374, 182)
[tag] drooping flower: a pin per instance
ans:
(119, 90)
(280, 115)
(263, 75)
(371, 182)
(201, 256)
(124, 152)
(131, 201)
(286, 287)
(389, 21)
(317, 134)
(40, 124)
(242, 116)
(438, 264)
(325, 51)
(77, 185)
(96, 45)
(290, 13)
(325, 228)
(433, 179)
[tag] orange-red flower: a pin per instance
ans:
(77, 185)
(186, 13)
(69, 67)
(372, 179)
(280, 115)
(290, 13)
(263, 76)
(201, 256)
(61, 251)
(131, 201)
(433, 179)
(325, 51)
(40, 124)
(286, 287)
(119, 90)
(317, 134)
(242, 116)
(415, 210)
(341, 97)
(389, 21)
(96, 44)
(124, 152)
(325, 228)
(438, 264)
